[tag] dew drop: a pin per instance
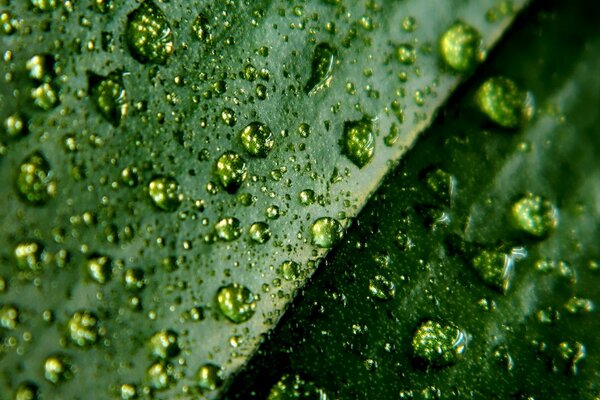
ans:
(161, 375)
(323, 62)
(228, 229)
(27, 391)
(406, 54)
(83, 328)
(231, 171)
(358, 142)
(9, 316)
(163, 344)
(326, 232)
(503, 102)
(29, 255)
(437, 343)
(259, 232)
(148, 34)
(109, 96)
(294, 387)
(164, 192)
(461, 47)
(257, 139)
(382, 288)
(290, 270)
(35, 183)
(236, 302)
(209, 377)
(57, 368)
(534, 215)
(99, 268)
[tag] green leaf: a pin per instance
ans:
(473, 271)
(165, 164)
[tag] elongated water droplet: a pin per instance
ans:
(148, 34)
(503, 102)
(358, 142)
(326, 232)
(35, 183)
(437, 343)
(257, 139)
(231, 170)
(236, 302)
(323, 62)
(461, 47)
(109, 96)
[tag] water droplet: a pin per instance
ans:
(27, 391)
(535, 215)
(406, 54)
(29, 255)
(307, 197)
(202, 28)
(409, 24)
(161, 375)
(134, 279)
(15, 126)
(294, 387)
(109, 96)
(304, 130)
(8, 24)
(164, 192)
(569, 355)
(57, 368)
(163, 344)
(44, 5)
(494, 268)
(358, 143)
(9, 316)
(503, 102)
(382, 288)
(83, 328)
(228, 229)
(259, 232)
(323, 62)
(231, 170)
(209, 377)
(44, 96)
(35, 183)
(104, 6)
(236, 302)
(578, 305)
(128, 391)
(148, 34)
(442, 185)
(99, 268)
(461, 47)
(438, 344)
(290, 270)
(326, 232)
(257, 139)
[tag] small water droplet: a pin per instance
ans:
(109, 96)
(164, 192)
(35, 183)
(294, 387)
(290, 270)
(163, 344)
(406, 54)
(228, 229)
(84, 328)
(231, 170)
(29, 255)
(209, 377)
(57, 368)
(161, 375)
(99, 268)
(382, 288)
(461, 47)
(236, 302)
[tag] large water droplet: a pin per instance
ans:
(326, 232)
(358, 143)
(228, 229)
(109, 95)
(231, 170)
(164, 192)
(163, 344)
(209, 377)
(161, 375)
(323, 63)
(292, 387)
(83, 328)
(494, 268)
(236, 302)
(503, 102)
(259, 232)
(57, 368)
(438, 343)
(535, 215)
(148, 34)
(257, 139)
(461, 47)
(35, 183)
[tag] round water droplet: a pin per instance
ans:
(438, 344)
(323, 62)
(304, 130)
(307, 197)
(290, 270)
(382, 288)
(27, 391)
(57, 368)
(15, 126)
(83, 328)
(161, 375)
(164, 192)
(494, 268)
(201, 27)
(535, 215)
(228, 229)
(406, 54)
(236, 302)
(259, 232)
(358, 143)
(44, 5)
(231, 170)
(163, 344)
(29, 255)
(326, 232)
(99, 268)
(257, 139)
(44, 96)
(294, 387)
(209, 377)
(35, 183)
(128, 391)
(148, 34)
(503, 102)
(9, 316)
(109, 96)
(461, 47)
(134, 279)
